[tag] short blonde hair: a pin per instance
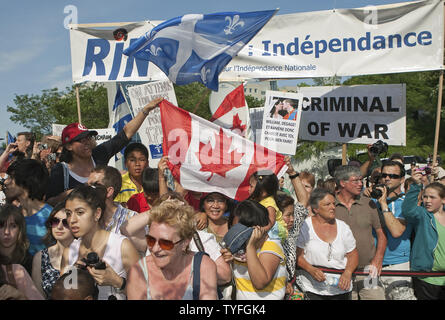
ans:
(176, 214)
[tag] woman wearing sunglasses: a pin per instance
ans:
(84, 207)
(325, 241)
(46, 263)
(169, 271)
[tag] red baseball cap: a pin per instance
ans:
(75, 132)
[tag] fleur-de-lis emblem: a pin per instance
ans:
(236, 22)
(154, 50)
(204, 73)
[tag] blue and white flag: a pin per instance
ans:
(196, 47)
(121, 113)
(9, 139)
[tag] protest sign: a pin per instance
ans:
(150, 131)
(281, 121)
(354, 114)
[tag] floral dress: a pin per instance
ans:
(49, 273)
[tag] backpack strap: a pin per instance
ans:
(66, 176)
(197, 274)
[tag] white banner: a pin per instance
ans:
(97, 54)
(281, 121)
(392, 38)
(150, 131)
(354, 114)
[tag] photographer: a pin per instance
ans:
(374, 150)
(114, 253)
(389, 196)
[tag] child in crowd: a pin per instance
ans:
(263, 187)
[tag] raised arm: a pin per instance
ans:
(300, 191)
(133, 126)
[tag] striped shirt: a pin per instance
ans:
(36, 228)
(275, 290)
(119, 217)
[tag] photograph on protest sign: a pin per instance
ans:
(354, 114)
(150, 131)
(281, 121)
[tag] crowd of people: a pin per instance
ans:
(369, 232)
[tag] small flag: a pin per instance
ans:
(121, 114)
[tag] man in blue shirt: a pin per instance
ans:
(398, 232)
(26, 183)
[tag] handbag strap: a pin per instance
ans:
(197, 274)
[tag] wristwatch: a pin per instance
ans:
(294, 175)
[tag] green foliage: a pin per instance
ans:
(39, 112)
(253, 102)
(194, 97)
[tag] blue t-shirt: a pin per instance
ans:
(397, 249)
(36, 229)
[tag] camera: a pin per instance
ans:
(376, 193)
(378, 148)
(52, 157)
(42, 146)
(93, 260)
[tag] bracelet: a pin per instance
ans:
(145, 112)
(124, 284)
(294, 176)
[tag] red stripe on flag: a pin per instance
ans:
(176, 129)
(234, 99)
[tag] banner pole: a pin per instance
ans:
(78, 104)
(344, 153)
(205, 94)
(438, 111)
(438, 117)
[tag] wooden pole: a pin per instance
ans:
(78, 105)
(438, 117)
(344, 153)
(439, 107)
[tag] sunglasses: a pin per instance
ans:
(164, 244)
(390, 175)
(55, 222)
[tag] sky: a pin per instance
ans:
(35, 50)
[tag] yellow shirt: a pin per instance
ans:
(276, 288)
(127, 190)
(282, 228)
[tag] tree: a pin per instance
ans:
(39, 112)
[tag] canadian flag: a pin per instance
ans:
(206, 157)
(233, 112)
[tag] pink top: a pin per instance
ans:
(24, 283)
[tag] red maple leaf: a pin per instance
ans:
(218, 160)
(237, 125)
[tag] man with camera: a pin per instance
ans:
(389, 198)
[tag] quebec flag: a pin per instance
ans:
(196, 47)
(121, 113)
(9, 139)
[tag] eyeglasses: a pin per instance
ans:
(164, 244)
(356, 181)
(390, 175)
(55, 222)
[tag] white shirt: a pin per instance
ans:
(320, 253)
